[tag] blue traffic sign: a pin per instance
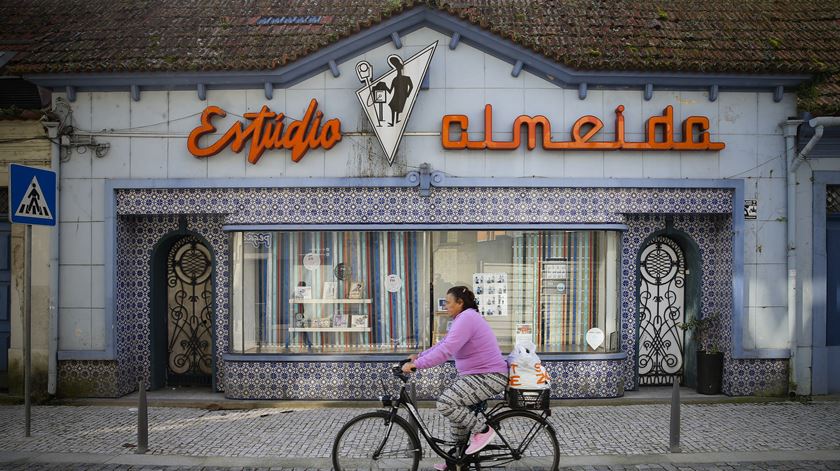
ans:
(32, 195)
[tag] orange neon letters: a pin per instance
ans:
(267, 131)
(584, 129)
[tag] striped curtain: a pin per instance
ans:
(393, 318)
(560, 319)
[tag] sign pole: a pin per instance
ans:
(32, 200)
(27, 329)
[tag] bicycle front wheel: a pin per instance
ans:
(529, 437)
(375, 441)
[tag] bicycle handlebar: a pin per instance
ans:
(398, 372)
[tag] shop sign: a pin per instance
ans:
(389, 99)
(695, 133)
(267, 130)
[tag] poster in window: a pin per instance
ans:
(524, 334)
(555, 270)
(491, 293)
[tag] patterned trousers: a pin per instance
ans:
(464, 392)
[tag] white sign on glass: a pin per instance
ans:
(595, 337)
(311, 261)
(393, 283)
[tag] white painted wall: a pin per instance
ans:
(461, 81)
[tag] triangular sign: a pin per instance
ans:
(389, 99)
(33, 205)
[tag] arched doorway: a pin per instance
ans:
(662, 303)
(182, 315)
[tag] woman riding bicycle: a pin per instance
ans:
(482, 371)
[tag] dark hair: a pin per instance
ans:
(465, 295)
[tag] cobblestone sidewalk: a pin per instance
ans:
(308, 433)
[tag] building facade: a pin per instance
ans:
(290, 234)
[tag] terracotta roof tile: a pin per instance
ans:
(748, 36)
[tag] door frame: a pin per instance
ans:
(691, 295)
(159, 309)
(821, 366)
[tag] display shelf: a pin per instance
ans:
(330, 301)
(329, 329)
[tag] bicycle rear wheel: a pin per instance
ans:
(530, 438)
(374, 441)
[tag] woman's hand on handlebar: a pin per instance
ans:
(412, 357)
(409, 367)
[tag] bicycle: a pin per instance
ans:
(383, 439)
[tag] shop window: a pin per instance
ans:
(327, 292)
(381, 292)
(551, 287)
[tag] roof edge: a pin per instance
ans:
(404, 23)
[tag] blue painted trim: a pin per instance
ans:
(421, 227)
(517, 68)
(819, 275)
(713, 93)
(268, 90)
(279, 182)
(438, 180)
(648, 91)
(537, 182)
(201, 91)
(406, 22)
(334, 68)
(6, 56)
(395, 357)
(395, 38)
(738, 351)
(103, 355)
(135, 92)
(582, 90)
(454, 40)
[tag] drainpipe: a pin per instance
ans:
(792, 162)
(55, 163)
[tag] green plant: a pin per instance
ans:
(702, 329)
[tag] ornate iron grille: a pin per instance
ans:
(661, 302)
(832, 199)
(190, 301)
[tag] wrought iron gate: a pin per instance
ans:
(190, 319)
(661, 310)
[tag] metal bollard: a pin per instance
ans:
(675, 418)
(142, 422)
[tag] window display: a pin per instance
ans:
(383, 292)
(323, 292)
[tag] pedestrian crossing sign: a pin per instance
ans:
(32, 193)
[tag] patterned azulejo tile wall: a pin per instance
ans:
(364, 380)
(89, 378)
(145, 216)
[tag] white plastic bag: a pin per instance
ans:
(526, 371)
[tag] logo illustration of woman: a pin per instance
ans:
(400, 89)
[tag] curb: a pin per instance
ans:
(18, 458)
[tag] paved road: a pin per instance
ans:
(740, 466)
